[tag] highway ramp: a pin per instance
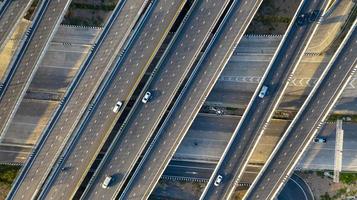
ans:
(98, 122)
(171, 71)
(189, 102)
(308, 121)
(77, 98)
(261, 108)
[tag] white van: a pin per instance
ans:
(106, 182)
(263, 91)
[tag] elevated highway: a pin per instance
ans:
(53, 140)
(308, 121)
(261, 108)
(26, 61)
(189, 102)
(98, 121)
(169, 74)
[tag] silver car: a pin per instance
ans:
(263, 91)
(106, 182)
(146, 97)
(218, 180)
(117, 106)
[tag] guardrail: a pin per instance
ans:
(306, 102)
(3, 6)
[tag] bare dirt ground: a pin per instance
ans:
(273, 17)
(177, 190)
(324, 188)
(89, 12)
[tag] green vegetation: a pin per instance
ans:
(335, 117)
(326, 196)
(104, 7)
(348, 178)
(8, 173)
(320, 174)
(31, 10)
(7, 176)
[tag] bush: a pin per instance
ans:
(8, 173)
(348, 178)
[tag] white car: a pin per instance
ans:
(117, 106)
(106, 182)
(218, 180)
(146, 97)
(263, 91)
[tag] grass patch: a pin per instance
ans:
(8, 173)
(348, 178)
(335, 117)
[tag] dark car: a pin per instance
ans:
(313, 16)
(319, 140)
(301, 19)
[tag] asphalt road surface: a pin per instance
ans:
(144, 118)
(26, 61)
(10, 15)
(296, 187)
(53, 140)
(307, 122)
(190, 100)
(257, 115)
(121, 84)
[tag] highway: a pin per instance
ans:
(308, 121)
(97, 124)
(10, 15)
(144, 118)
(260, 110)
(188, 104)
(25, 62)
(77, 98)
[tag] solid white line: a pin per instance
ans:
(299, 187)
